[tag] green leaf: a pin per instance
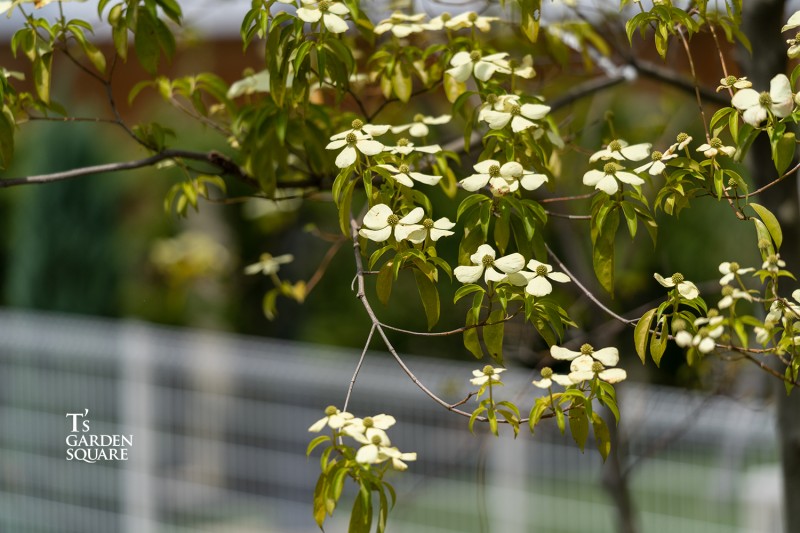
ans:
(783, 151)
(453, 88)
(320, 491)
(602, 436)
(401, 82)
(316, 442)
(7, 125)
(430, 297)
(658, 343)
(152, 36)
(603, 251)
(579, 426)
(771, 222)
(383, 285)
(42, 69)
(641, 332)
(466, 290)
(471, 340)
(361, 515)
(493, 334)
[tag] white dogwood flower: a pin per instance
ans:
(585, 368)
(704, 340)
(730, 295)
(732, 82)
(503, 178)
(681, 142)
(539, 282)
(619, 150)
(470, 19)
(729, 271)
(398, 458)
(405, 147)
(361, 425)
(334, 419)
(375, 443)
(331, 13)
(433, 229)
(792, 23)
(773, 263)
(418, 127)
(521, 116)
(268, 265)
(400, 24)
(405, 176)
(715, 146)
(484, 262)
(548, 377)
(756, 107)
(606, 179)
(687, 289)
(381, 222)
(486, 374)
(483, 67)
(656, 166)
(608, 356)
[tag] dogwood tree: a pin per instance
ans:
(312, 117)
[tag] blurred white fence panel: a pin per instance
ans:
(219, 426)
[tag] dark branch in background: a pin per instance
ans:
(221, 161)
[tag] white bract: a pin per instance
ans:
(606, 179)
(521, 116)
(756, 107)
(548, 377)
(433, 229)
(584, 368)
(331, 13)
(773, 263)
(656, 166)
(539, 278)
(729, 270)
(687, 289)
(469, 19)
(704, 340)
(483, 67)
(507, 177)
(419, 126)
(619, 150)
(401, 25)
(381, 222)
(484, 262)
(398, 457)
(375, 443)
(730, 295)
(334, 419)
(732, 82)
(792, 23)
(405, 147)
(714, 147)
(405, 176)
(608, 356)
(357, 139)
(361, 425)
(268, 265)
(486, 374)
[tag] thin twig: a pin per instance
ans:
(358, 369)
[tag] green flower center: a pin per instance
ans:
(656, 155)
(396, 18)
(357, 124)
(727, 290)
(764, 99)
(587, 349)
(324, 5)
(732, 183)
(446, 17)
(403, 169)
(351, 138)
(678, 324)
(427, 223)
(331, 410)
(472, 17)
(514, 109)
(368, 422)
(615, 146)
(487, 261)
(475, 56)
(677, 278)
(393, 220)
(488, 370)
(403, 142)
(541, 270)
(730, 80)
(715, 142)
(772, 258)
(419, 117)
(734, 266)
(682, 137)
(780, 304)
(547, 372)
(597, 367)
(610, 168)
(376, 440)
(513, 64)
(494, 171)
(491, 99)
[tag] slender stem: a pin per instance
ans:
(694, 78)
(358, 369)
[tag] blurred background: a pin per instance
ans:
(112, 304)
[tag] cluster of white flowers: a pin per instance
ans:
(731, 271)
(757, 107)
(509, 269)
(487, 374)
(586, 364)
(607, 180)
(357, 139)
(331, 12)
(709, 329)
(370, 432)
(502, 179)
(381, 223)
(402, 25)
(268, 265)
(507, 109)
